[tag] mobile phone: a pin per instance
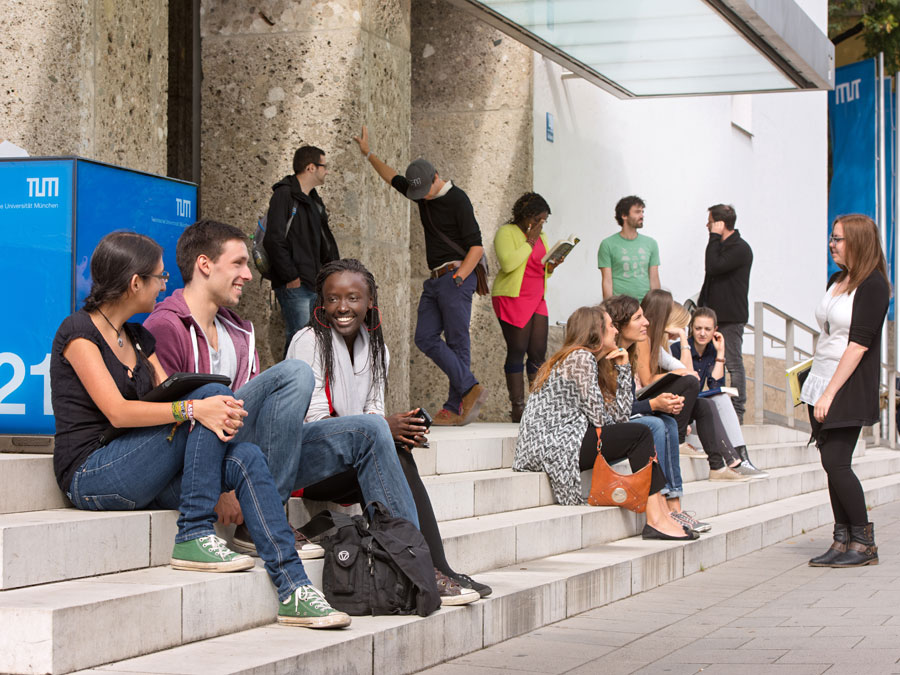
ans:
(421, 412)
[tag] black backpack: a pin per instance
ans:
(378, 567)
(257, 247)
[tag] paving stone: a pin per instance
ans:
(849, 656)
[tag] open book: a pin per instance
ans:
(560, 249)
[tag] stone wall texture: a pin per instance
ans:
(279, 74)
(86, 77)
(472, 118)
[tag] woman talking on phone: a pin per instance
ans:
(841, 389)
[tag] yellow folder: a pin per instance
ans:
(793, 376)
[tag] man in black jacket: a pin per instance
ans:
(725, 288)
(298, 239)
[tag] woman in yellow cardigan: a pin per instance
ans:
(518, 294)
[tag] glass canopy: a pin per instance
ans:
(638, 48)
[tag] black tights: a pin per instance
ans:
(709, 426)
(848, 501)
(631, 440)
(530, 339)
(343, 488)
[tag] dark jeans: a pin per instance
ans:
(848, 501)
(344, 489)
(734, 363)
(530, 339)
(621, 441)
(447, 308)
(709, 426)
(297, 305)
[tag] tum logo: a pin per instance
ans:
(183, 206)
(846, 92)
(43, 187)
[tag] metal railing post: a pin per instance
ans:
(788, 362)
(759, 368)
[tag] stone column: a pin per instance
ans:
(287, 73)
(86, 77)
(472, 118)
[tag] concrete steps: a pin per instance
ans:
(525, 597)
(110, 575)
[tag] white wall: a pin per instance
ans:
(681, 156)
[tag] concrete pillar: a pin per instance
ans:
(472, 118)
(86, 77)
(282, 74)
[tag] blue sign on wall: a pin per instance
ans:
(52, 214)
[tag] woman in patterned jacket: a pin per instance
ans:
(570, 396)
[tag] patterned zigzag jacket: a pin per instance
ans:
(558, 415)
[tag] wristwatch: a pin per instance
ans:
(458, 279)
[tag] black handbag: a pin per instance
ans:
(377, 567)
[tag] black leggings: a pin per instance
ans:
(530, 339)
(343, 488)
(709, 426)
(848, 501)
(634, 441)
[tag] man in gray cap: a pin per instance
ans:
(452, 249)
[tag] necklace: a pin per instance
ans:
(827, 325)
(118, 330)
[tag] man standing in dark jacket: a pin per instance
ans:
(725, 288)
(298, 239)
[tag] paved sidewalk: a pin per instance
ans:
(764, 613)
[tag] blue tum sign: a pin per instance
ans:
(52, 213)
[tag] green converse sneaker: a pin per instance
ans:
(308, 607)
(208, 554)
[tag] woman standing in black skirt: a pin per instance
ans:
(842, 387)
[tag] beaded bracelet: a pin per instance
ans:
(190, 413)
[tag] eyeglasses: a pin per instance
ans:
(164, 277)
(835, 240)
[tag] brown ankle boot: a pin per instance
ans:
(861, 550)
(516, 386)
(839, 546)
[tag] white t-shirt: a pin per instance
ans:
(224, 361)
(837, 312)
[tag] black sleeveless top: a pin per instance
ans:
(79, 421)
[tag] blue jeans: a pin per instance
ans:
(144, 469)
(300, 454)
(447, 308)
(665, 438)
(297, 305)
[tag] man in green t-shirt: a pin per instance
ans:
(628, 261)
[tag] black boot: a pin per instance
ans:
(861, 550)
(841, 539)
(516, 386)
(531, 378)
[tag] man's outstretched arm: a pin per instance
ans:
(386, 172)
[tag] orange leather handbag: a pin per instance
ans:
(609, 488)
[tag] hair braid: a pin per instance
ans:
(372, 321)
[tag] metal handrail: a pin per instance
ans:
(790, 325)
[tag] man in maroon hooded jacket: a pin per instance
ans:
(197, 332)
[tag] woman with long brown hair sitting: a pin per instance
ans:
(568, 402)
(654, 361)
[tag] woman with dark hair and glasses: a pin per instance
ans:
(518, 294)
(841, 389)
(178, 455)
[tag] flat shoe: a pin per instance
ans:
(652, 533)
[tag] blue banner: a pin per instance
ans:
(52, 213)
(852, 126)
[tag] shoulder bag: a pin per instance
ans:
(609, 488)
